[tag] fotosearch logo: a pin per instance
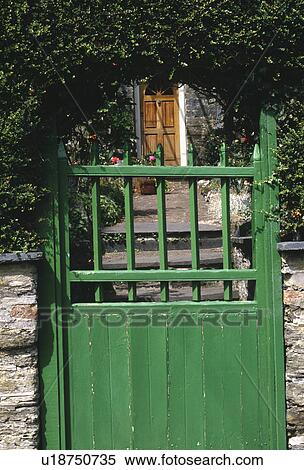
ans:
(143, 317)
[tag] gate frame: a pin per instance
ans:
(53, 276)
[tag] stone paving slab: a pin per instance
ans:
(150, 292)
(172, 228)
(150, 259)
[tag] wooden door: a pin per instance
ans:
(159, 111)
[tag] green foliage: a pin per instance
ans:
(291, 170)
(69, 59)
(111, 201)
(111, 207)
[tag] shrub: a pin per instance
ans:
(111, 208)
(291, 170)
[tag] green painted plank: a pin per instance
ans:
(231, 370)
(96, 221)
(194, 386)
(149, 385)
(162, 226)
(213, 360)
(81, 387)
(194, 237)
(162, 275)
(106, 378)
(101, 385)
(265, 404)
(121, 404)
(129, 225)
(185, 393)
(166, 171)
(225, 199)
(250, 394)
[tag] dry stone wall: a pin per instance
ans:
(19, 396)
(202, 116)
(293, 277)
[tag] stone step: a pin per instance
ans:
(150, 293)
(177, 230)
(146, 234)
(176, 259)
(151, 244)
(148, 243)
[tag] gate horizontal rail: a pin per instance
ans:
(207, 307)
(160, 171)
(164, 275)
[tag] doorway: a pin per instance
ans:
(159, 112)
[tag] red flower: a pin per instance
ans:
(115, 159)
(244, 139)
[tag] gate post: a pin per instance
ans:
(51, 386)
(273, 314)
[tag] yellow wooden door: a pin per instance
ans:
(160, 122)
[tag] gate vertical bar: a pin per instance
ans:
(96, 222)
(129, 221)
(225, 197)
(162, 225)
(256, 204)
(194, 229)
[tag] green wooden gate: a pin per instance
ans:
(164, 375)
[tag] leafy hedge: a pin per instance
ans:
(111, 207)
(70, 58)
(291, 170)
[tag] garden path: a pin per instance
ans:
(178, 237)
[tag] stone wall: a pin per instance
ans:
(202, 116)
(240, 203)
(293, 276)
(19, 397)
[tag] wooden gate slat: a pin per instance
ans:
(96, 222)
(193, 211)
(231, 370)
(162, 225)
(185, 390)
(80, 386)
(250, 395)
(101, 385)
(149, 384)
(213, 385)
(129, 224)
(225, 199)
(120, 386)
